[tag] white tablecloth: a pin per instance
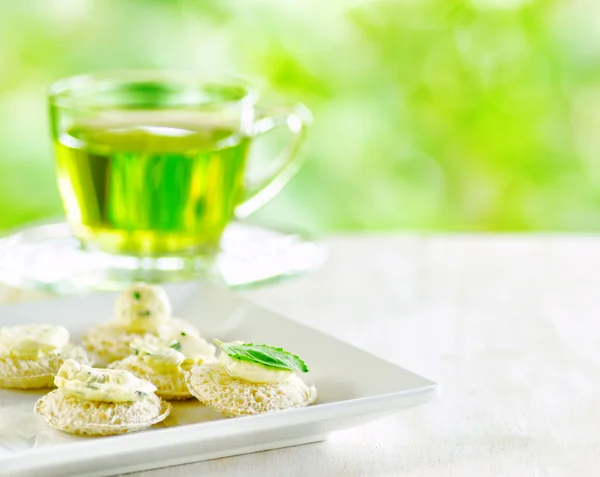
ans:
(510, 327)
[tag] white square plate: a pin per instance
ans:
(354, 387)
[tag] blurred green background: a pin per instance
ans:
(429, 114)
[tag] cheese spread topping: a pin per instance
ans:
(32, 341)
(157, 355)
(251, 372)
(107, 385)
(142, 308)
(162, 355)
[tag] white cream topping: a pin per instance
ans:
(157, 355)
(174, 327)
(251, 372)
(142, 307)
(162, 355)
(195, 348)
(32, 341)
(107, 385)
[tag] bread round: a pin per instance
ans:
(77, 416)
(18, 373)
(211, 384)
(170, 385)
(109, 342)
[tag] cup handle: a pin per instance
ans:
(257, 193)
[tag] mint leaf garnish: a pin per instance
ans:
(267, 356)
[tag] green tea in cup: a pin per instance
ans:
(154, 164)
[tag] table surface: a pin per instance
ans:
(508, 324)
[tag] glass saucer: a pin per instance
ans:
(47, 257)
